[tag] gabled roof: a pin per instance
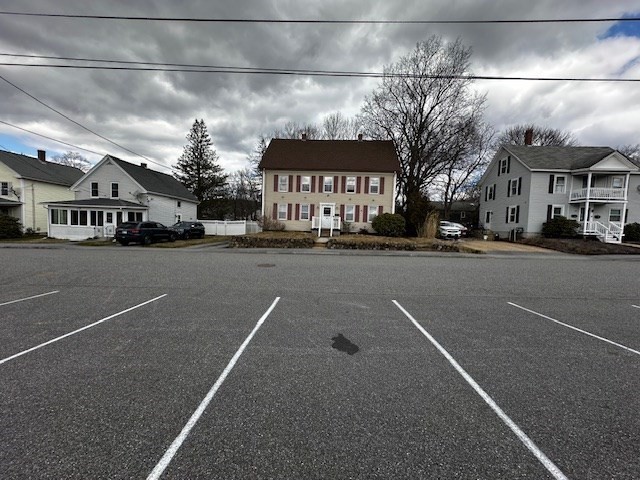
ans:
(331, 155)
(99, 202)
(558, 158)
(33, 169)
(152, 181)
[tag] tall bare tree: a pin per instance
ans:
(426, 106)
(72, 159)
(336, 126)
(542, 136)
(632, 152)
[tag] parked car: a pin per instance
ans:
(463, 230)
(143, 232)
(188, 230)
(449, 230)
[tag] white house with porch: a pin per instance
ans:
(114, 191)
(328, 186)
(526, 186)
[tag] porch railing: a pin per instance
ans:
(334, 224)
(597, 193)
(609, 234)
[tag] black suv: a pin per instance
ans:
(143, 232)
(188, 230)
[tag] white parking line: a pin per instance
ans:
(635, 306)
(548, 464)
(29, 298)
(177, 443)
(79, 330)
(575, 328)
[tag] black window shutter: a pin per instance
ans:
(518, 214)
(486, 190)
(507, 216)
(549, 212)
(551, 180)
(519, 185)
(509, 188)
(509, 164)
(499, 166)
(494, 191)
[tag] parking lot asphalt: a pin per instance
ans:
(337, 382)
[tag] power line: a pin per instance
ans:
(319, 73)
(50, 138)
(78, 123)
(317, 21)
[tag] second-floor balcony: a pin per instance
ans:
(599, 194)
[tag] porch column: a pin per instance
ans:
(587, 213)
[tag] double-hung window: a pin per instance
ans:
(615, 215)
(560, 185)
(349, 213)
(114, 190)
(304, 211)
(513, 214)
(373, 213)
(283, 183)
(4, 188)
(94, 189)
(328, 185)
(374, 185)
(282, 211)
(305, 184)
(351, 185)
(514, 187)
(487, 217)
(557, 211)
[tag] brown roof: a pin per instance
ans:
(331, 155)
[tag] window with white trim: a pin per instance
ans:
(617, 182)
(349, 213)
(513, 214)
(283, 183)
(282, 211)
(304, 211)
(557, 211)
(58, 216)
(513, 187)
(4, 188)
(351, 186)
(374, 185)
(504, 165)
(328, 185)
(372, 213)
(94, 189)
(488, 216)
(305, 184)
(114, 190)
(560, 184)
(615, 215)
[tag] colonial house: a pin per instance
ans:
(114, 191)
(526, 186)
(26, 182)
(328, 185)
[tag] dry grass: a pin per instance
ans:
(581, 247)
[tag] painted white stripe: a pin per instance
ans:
(79, 330)
(29, 298)
(576, 328)
(548, 464)
(635, 306)
(177, 443)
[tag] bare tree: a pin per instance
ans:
(461, 174)
(72, 159)
(426, 106)
(295, 130)
(244, 194)
(542, 136)
(336, 126)
(632, 152)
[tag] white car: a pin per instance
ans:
(463, 230)
(449, 230)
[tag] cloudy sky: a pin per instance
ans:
(151, 112)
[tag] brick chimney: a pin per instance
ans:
(359, 137)
(42, 156)
(528, 136)
(304, 136)
(143, 165)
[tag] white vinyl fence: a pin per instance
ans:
(229, 227)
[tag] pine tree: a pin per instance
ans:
(197, 166)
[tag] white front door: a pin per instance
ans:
(327, 211)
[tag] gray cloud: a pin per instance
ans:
(151, 112)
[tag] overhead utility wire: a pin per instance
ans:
(312, 21)
(78, 123)
(320, 73)
(50, 138)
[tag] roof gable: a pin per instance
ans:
(331, 155)
(149, 180)
(615, 161)
(33, 169)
